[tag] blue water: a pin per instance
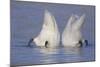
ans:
(26, 23)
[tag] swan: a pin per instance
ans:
(72, 36)
(49, 35)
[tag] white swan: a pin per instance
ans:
(49, 35)
(72, 36)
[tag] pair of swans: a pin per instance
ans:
(49, 35)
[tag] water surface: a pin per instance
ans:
(26, 23)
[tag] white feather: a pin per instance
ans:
(49, 32)
(72, 32)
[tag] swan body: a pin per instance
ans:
(49, 35)
(72, 36)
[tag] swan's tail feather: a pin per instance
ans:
(49, 32)
(78, 24)
(49, 21)
(70, 21)
(72, 34)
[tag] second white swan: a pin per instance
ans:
(72, 36)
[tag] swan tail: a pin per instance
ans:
(70, 21)
(49, 21)
(78, 24)
(49, 32)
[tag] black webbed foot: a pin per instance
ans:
(81, 44)
(86, 42)
(29, 43)
(46, 44)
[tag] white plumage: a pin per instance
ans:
(49, 32)
(72, 32)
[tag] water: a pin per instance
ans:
(31, 56)
(26, 23)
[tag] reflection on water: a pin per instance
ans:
(31, 56)
(26, 22)
(48, 51)
(52, 55)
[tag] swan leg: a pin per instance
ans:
(29, 43)
(46, 44)
(81, 44)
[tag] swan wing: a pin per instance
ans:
(70, 21)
